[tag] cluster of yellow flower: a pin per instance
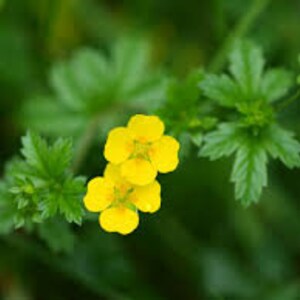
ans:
(135, 155)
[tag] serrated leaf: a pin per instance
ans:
(197, 138)
(132, 81)
(67, 201)
(89, 67)
(65, 86)
(275, 84)
(221, 142)
(48, 161)
(60, 156)
(282, 145)
(246, 66)
(42, 185)
(221, 89)
(181, 110)
(70, 202)
(249, 172)
(81, 83)
(35, 152)
(130, 58)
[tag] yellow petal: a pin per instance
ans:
(147, 198)
(113, 172)
(99, 195)
(138, 171)
(119, 219)
(146, 128)
(164, 154)
(118, 146)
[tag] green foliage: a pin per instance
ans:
(184, 116)
(249, 172)
(221, 88)
(41, 185)
(248, 84)
(276, 83)
(49, 162)
(93, 83)
(202, 244)
(283, 146)
(252, 133)
(221, 142)
(246, 67)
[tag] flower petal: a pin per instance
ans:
(138, 171)
(146, 128)
(119, 219)
(147, 198)
(164, 154)
(118, 146)
(99, 195)
(113, 172)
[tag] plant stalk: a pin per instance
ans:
(241, 29)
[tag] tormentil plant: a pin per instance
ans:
(251, 129)
(235, 113)
(135, 154)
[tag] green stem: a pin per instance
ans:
(282, 105)
(242, 27)
(85, 143)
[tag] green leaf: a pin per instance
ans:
(197, 138)
(70, 202)
(47, 161)
(275, 84)
(249, 172)
(60, 156)
(182, 94)
(221, 89)
(132, 79)
(81, 80)
(35, 152)
(42, 186)
(282, 145)
(221, 142)
(246, 66)
(44, 114)
(182, 106)
(130, 58)
(66, 200)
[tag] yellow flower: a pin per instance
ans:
(141, 149)
(117, 200)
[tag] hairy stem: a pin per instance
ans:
(241, 29)
(85, 143)
(282, 105)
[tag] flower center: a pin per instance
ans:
(122, 193)
(140, 150)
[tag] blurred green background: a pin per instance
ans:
(201, 244)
